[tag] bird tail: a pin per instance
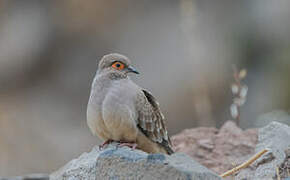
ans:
(169, 150)
(167, 147)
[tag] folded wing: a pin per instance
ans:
(151, 121)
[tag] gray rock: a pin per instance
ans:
(276, 138)
(277, 115)
(28, 177)
(123, 163)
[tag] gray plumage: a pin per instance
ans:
(120, 110)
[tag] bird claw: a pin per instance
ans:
(105, 144)
(128, 144)
(131, 145)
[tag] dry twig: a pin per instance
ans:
(278, 173)
(245, 164)
(239, 91)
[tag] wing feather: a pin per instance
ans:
(151, 121)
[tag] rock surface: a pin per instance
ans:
(123, 163)
(221, 150)
(275, 137)
(28, 177)
(218, 150)
(277, 115)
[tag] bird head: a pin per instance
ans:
(117, 65)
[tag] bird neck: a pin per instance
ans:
(106, 79)
(112, 75)
(101, 83)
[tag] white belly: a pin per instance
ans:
(120, 124)
(115, 124)
(96, 124)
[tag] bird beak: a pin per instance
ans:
(132, 69)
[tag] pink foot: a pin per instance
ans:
(128, 144)
(105, 143)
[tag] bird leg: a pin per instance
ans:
(131, 145)
(109, 141)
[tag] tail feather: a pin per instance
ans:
(167, 147)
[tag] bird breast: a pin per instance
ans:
(118, 107)
(111, 110)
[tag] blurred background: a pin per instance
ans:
(184, 50)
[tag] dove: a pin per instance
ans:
(120, 111)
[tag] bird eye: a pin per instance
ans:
(118, 65)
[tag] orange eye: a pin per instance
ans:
(118, 65)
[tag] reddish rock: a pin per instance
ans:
(219, 150)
